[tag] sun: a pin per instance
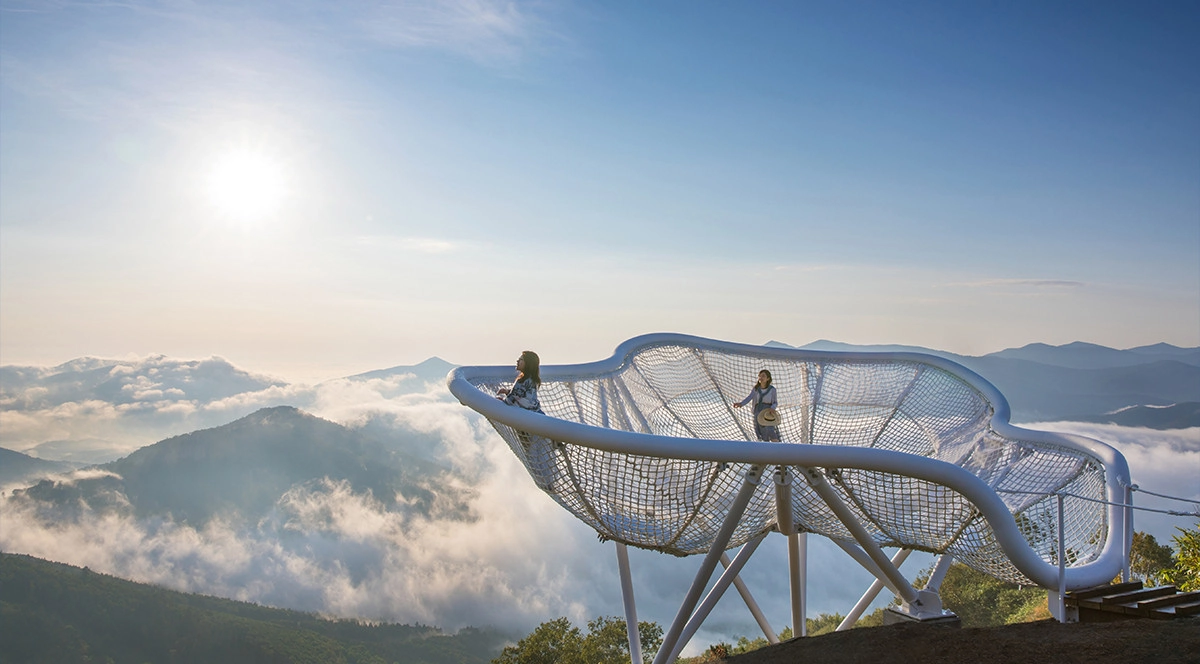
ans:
(246, 186)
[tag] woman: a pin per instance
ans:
(764, 398)
(523, 392)
(539, 452)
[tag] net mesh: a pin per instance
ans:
(677, 506)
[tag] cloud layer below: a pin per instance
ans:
(520, 559)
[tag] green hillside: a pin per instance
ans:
(51, 612)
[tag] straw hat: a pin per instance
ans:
(768, 417)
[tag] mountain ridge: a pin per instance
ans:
(243, 468)
(58, 612)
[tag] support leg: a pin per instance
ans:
(870, 595)
(670, 639)
(710, 600)
(939, 573)
(750, 603)
(819, 484)
(786, 524)
(631, 620)
(798, 567)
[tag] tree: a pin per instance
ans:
(559, 642)
(1185, 573)
(1148, 559)
(554, 641)
(982, 600)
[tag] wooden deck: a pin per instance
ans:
(1122, 601)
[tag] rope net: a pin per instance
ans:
(677, 506)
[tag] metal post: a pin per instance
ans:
(755, 611)
(1062, 564)
(799, 564)
(710, 600)
(720, 541)
(787, 526)
(870, 595)
(631, 620)
(939, 572)
(1126, 573)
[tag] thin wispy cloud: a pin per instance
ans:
(489, 32)
(1035, 284)
(423, 245)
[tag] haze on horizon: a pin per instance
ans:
(315, 189)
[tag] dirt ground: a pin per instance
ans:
(1126, 641)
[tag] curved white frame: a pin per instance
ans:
(808, 459)
(1101, 570)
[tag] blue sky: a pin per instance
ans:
(469, 179)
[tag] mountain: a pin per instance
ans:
(837, 346)
(17, 468)
(94, 411)
(1080, 355)
(1177, 416)
(431, 370)
(1077, 381)
(1044, 392)
(80, 451)
(50, 612)
(242, 469)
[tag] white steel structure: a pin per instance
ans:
(879, 450)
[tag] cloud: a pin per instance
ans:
(423, 245)
(516, 560)
(486, 31)
(1036, 284)
(1165, 462)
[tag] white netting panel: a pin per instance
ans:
(677, 506)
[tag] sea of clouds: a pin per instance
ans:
(520, 560)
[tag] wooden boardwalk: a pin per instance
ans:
(1122, 601)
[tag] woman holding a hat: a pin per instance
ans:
(766, 418)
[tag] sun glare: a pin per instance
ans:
(246, 186)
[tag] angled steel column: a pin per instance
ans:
(819, 484)
(631, 621)
(710, 600)
(871, 594)
(939, 573)
(750, 603)
(796, 572)
(863, 559)
(720, 541)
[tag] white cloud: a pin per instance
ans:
(519, 560)
(1165, 462)
(487, 31)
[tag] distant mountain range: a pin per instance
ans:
(242, 469)
(94, 410)
(16, 468)
(1080, 381)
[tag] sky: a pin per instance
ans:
(314, 190)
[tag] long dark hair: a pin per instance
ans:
(533, 367)
(764, 371)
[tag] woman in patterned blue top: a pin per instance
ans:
(523, 392)
(764, 397)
